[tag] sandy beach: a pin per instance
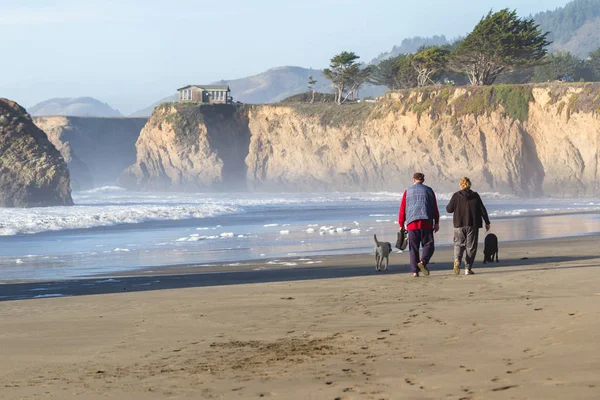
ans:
(526, 328)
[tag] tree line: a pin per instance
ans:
(564, 22)
(501, 45)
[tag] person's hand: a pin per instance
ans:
(487, 227)
(436, 228)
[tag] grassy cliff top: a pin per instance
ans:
(514, 100)
(332, 114)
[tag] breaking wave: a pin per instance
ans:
(111, 206)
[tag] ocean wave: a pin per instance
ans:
(565, 209)
(37, 220)
(497, 196)
(390, 196)
(103, 189)
(111, 205)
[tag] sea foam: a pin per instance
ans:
(111, 206)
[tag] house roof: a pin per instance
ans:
(207, 87)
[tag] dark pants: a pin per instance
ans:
(417, 238)
(465, 240)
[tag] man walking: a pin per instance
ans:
(468, 211)
(420, 215)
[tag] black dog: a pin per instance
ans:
(490, 248)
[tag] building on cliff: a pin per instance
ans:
(209, 94)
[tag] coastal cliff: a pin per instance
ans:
(32, 171)
(523, 140)
(97, 150)
(191, 147)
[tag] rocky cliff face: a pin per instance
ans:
(97, 150)
(524, 140)
(191, 148)
(32, 171)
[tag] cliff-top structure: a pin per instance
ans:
(32, 171)
(531, 140)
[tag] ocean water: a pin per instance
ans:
(112, 230)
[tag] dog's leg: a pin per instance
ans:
(497, 256)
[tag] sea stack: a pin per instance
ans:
(32, 171)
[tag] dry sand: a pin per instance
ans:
(523, 329)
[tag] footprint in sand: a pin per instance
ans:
(502, 388)
(516, 371)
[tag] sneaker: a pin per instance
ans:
(423, 268)
(416, 275)
(457, 267)
(468, 270)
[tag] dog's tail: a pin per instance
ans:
(376, 241)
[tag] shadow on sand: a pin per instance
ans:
(84, 287)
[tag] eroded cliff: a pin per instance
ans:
(525, 140)
(191, 147)
(97, 150)
(32, 171)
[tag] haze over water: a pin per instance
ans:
(111, 230)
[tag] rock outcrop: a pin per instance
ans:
(524, 140)
(97, 150)
(191, 148)
(32, 171)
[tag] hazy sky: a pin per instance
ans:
(131, 53)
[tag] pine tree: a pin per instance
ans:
(499, 43)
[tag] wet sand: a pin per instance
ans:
(524, 328)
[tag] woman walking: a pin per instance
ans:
(469, 211)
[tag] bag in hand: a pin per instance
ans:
(402, 240)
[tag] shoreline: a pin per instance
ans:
(268, 233)
(512, 254)
(362, 258)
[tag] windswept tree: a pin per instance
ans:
(405, 74)
(559, 66)
(347, 75)
(500, 42)
(428, 63)
(593, 63)
(312, 82)
(384, 73)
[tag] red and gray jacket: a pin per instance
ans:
(419, 208)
